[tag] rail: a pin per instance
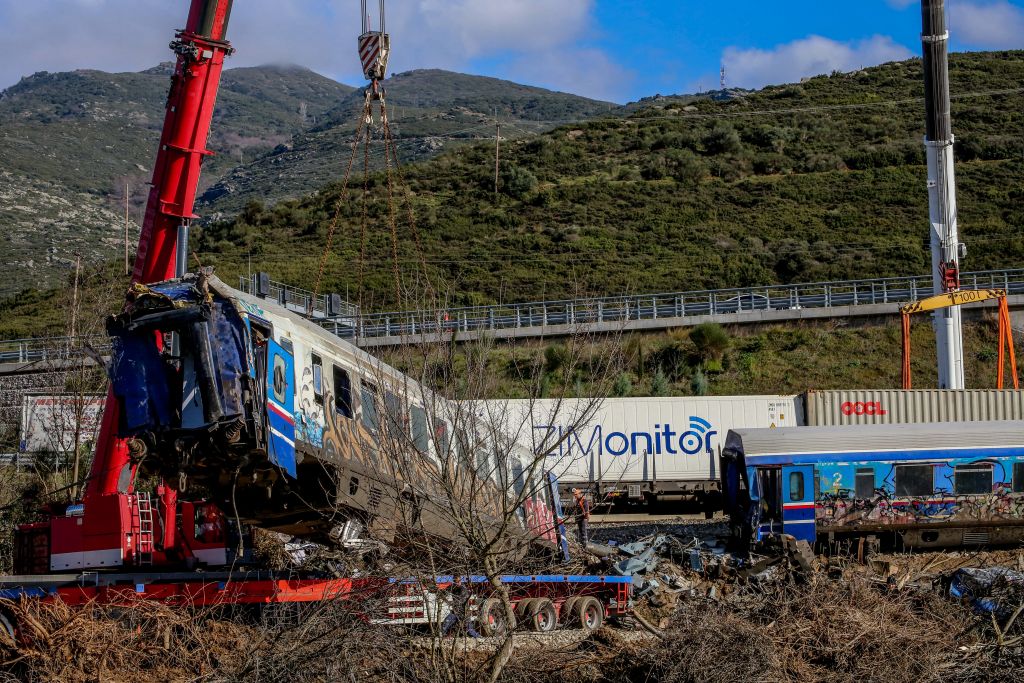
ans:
(538, 315)
(672, 305)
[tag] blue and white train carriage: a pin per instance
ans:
(939, 484)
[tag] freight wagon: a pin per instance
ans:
(643, 450)
(925, 485)
(630, 451)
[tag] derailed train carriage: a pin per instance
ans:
(923, 485)
(290, 428)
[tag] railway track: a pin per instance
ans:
(634, 518)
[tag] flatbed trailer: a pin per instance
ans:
(541, 602)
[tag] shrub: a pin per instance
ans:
(699, 384)
(711, 341)
(659, 384)
(623, 386)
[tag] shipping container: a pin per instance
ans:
(50, 422)
(642, 449)
(893, 406)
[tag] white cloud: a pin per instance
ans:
(995, 25)
(811, 56)
(129, 35)
(581, 71)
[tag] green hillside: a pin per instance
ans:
(430, 111)
(816, 181)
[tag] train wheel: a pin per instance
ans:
(591, 613)
(542, 616)
(568, 615)
(493, 621)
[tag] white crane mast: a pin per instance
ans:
(945, 242)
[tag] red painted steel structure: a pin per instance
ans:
(107, 522)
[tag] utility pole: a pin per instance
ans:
(127, 266)
(74, 298)
(721, 80)
(497, 151)
(945, 241)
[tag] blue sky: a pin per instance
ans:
(611, 49)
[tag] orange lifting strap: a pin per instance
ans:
(958, 299)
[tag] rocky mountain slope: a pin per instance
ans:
(71, 142)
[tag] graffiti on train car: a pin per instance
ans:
(868, 494)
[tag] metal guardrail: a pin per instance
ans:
(673, 305)
(543, 314)
(49, 348)
(299, 300)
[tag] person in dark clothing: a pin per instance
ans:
(582, 516)
(459, 595)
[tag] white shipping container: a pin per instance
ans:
(896, 406)
(642, 440)
(49, 422)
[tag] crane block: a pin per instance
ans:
(374, 50)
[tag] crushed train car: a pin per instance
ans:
(295, 430)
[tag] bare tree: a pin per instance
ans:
(473, 497)
(64, 413)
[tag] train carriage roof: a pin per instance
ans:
(935, 436)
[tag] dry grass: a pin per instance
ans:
(853, 631)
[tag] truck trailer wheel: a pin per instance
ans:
(493, 621)
(567, 615)
(590, 613)
(541, 616)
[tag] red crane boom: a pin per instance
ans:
(115, 526)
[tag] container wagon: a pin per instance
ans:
(897, 406)
(640, 451)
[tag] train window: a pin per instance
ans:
(518, 480)
(914, 480)
(280, 380)
(796, 485)
(464, 451)
(286, 344)
(397, 420)
(441, 439)
(864, 483)
(974, 478)
(420, 432)
(484, 470)
(1018, 477)
(318, 379)
(368, 399)
(342, 392)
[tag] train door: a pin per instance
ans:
(798, 502)
(281, 406)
